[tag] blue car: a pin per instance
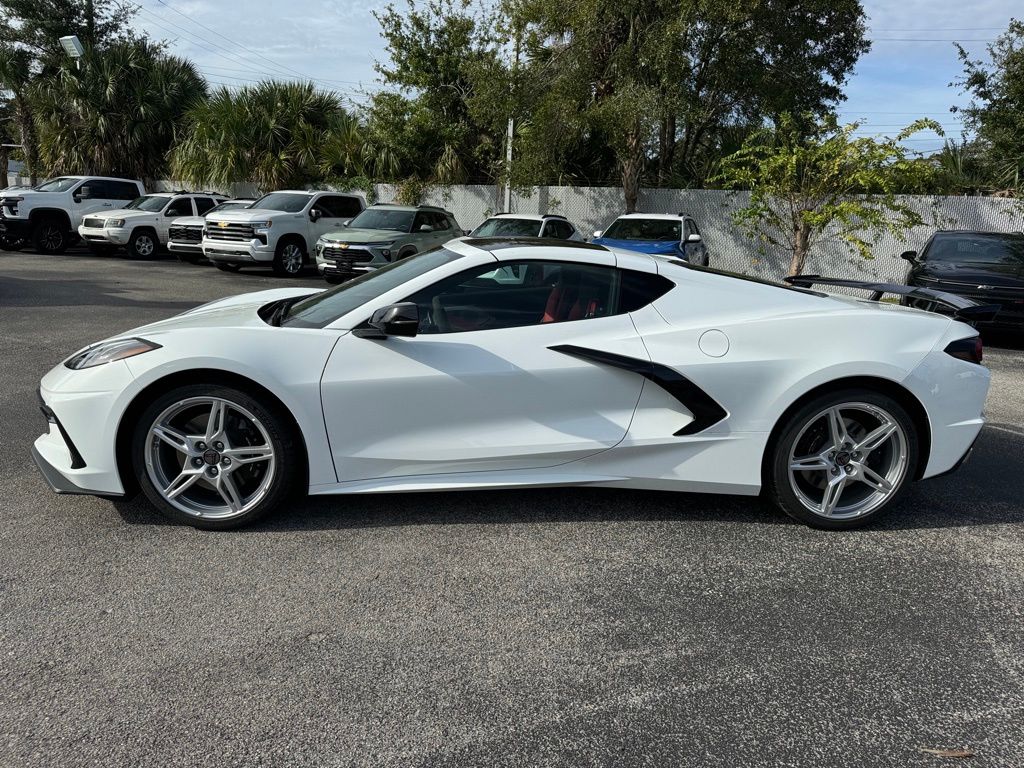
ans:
(662, 234)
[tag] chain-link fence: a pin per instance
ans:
(593, 208)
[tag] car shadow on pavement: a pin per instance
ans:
(985, 491)
(18, 292)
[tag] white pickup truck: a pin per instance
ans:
(280, 230)
(143, 225)
(48, 216)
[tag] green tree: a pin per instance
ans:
(275, 134)
(37, 25)
(433, 51)
(810, 184)
(119, 113)
(16, 78)
(996, 112)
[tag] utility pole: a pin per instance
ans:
(511, 123)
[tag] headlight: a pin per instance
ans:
(388, 244)
(262, 224)
(115, 222)
(108, 352)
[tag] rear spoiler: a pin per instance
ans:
(963, 309)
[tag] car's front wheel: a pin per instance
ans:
(289, 258)
(49, 235)
(842, 458)
(215, 457)
(142, 244)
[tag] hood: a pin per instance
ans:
(363, 236)
(188, 221)
(232, 311)
(123, 213)
(968, 275)
(662, 247)
(246, 215)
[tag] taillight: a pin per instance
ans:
(969, 349)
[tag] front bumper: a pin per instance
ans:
(118, 236)
(349, 262)
(252, 252)
(15, 227)
(193, 248)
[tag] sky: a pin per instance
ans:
(905, 76)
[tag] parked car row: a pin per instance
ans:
(286, 230)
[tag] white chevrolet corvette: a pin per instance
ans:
(506, 364)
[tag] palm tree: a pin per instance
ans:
(16, 77)
(119, 114)
(273, 134)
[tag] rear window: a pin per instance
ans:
(658, 230)
(976, 249)
(506, 227)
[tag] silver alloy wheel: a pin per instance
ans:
(144, 245)
(291, 258)
(848, 460)
(210, 458)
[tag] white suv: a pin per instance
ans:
(279, 230)
(48, 216)
(549, 225)
(143, 225)
(185, 238)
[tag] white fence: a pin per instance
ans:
(592, 208)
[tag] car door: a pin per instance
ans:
(178, 207)
(443, 231)
(493, 381)
(90, 196)
(335, 212)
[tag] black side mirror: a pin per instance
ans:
(395, 320)
(315, 214)
(910, 256)
(76, 198)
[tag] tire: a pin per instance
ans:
(217, 473)
(99, 249)
(851, 473)
(226, 267)
(405, 254)
(143, 244)
(289, 258)
(12, 244)
(49, 235)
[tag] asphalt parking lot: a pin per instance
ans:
(529, 628)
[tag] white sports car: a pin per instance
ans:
(505, 364)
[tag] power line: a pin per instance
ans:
(928, 40)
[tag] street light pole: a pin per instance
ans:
(511, 125)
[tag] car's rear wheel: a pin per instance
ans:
(842, 458)
(8, 243)
(214, 457)
(289, 258)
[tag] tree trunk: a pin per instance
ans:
(4, 166)
(666, 149)
(27, 132)
(632, 169)
(801, 243)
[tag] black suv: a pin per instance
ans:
(987, 267)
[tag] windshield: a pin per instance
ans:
(504, 227)
(645, 229)
(148, 203)
(288, 202)
(230, 205)
(60, 184)
(324, 308)
(381, 218)
(977, 249)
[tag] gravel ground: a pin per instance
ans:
(529, 628)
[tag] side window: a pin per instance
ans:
(179, 206)
(420, 221)
(122, 190)
(93, 189)
(349, 206)
(693, 227)
(558, 228)
(203, 204)
(439, 222)
(641, 288)
(518, 294)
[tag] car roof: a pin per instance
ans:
(528, 216)
(410, 208)
(492, 244)
(663, 216)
